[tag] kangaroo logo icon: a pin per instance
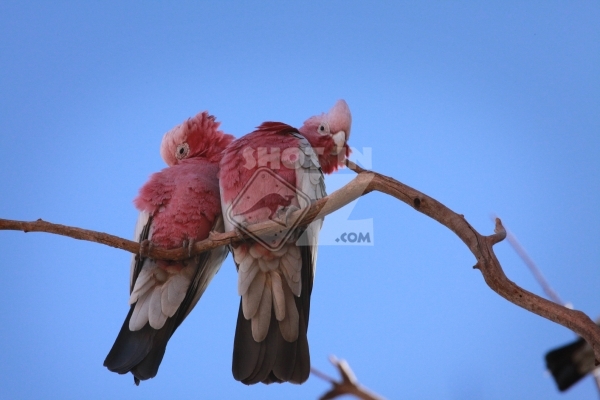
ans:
(267, 196)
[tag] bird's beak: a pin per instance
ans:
(339, 139)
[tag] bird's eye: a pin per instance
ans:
(323, 128)
(182, 151)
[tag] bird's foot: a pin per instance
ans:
(213, 235)
(189, 245)
(239, 233)
(145, 248)
(283, 214)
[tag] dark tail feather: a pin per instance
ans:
(139, 352)
(570, 363)
(274, 359)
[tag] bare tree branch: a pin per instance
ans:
(348, 385)
(75, 233)
(366, 182)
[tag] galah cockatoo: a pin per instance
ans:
(178, 206)
(275, 283)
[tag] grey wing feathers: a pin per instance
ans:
(140, 352)
(141, 233)
(310, 180)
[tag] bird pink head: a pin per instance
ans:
(199, 136)
(328, 134)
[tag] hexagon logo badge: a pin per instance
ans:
(267, 196)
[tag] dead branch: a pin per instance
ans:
(348, 385)
(75, 233)
(366, 182)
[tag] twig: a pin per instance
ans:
(348, 385)
(322, 375)
(537, 273)
(366, 182)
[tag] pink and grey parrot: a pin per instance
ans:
(178, 206)
(275, 281)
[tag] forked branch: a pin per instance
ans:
(348, 385)
(365, 182)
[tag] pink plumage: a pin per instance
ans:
(178, 205)
(236, 171)
(266, 175)
(184, 200)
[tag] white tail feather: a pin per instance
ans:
(144, 282)
(269, 286)
(240, 253)
(168, 307)
(289, 266)
(245, 278)
(246, 263)
(278, 296)
(289, 325)
(175, 288)
(251, 299)
(260, 322)
(155, 315)
(139, 317)
(295, 265)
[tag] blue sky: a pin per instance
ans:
(489, 107)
